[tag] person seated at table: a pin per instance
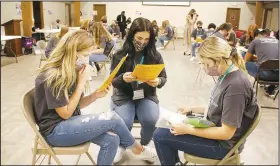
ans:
(261, 49)
(232, 109)
(231, 37)
(104, 42)
(58, 24)
(35, 35)
(247, 38)
(166, 35)
(223, 30)
(211, 29)
(197, 36)
(54, 40)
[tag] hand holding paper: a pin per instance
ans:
(112, 75)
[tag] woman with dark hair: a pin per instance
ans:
(132, 98)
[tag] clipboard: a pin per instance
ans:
(112, 75)
(145, 73)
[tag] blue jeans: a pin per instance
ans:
(147, 113)
(161, 39)
(168, 145)
(94, 128)
(266, 75)
(194, 45)
(97, 58)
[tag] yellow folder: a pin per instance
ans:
(145, 73)
(112, 75)
(199, 40)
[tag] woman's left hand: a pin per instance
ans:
(153, 83)
(100, 94)
(180, 129)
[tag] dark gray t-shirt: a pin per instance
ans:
(45, 104)
(198, 33)
(233, 103)
(218, 34)
(265, 48)
(169, 32)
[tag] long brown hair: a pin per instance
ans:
(192, 12)
(98, 31)
(250, 32)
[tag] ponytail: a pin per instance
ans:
(235, 57)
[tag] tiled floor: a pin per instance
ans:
(181, 90)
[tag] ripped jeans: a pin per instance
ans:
(106, 130)
(168, 145)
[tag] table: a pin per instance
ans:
(47, 30)
(5, 38)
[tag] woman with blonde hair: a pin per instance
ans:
(54, 40)
(232, 109)
(59, 96)
(166, 33)
(104, 41)
(189, 27)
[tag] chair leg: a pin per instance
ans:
(276, 95)
(257, 85)
(49, 160)
(40, 63)
(174, 44)
(90, 158)
(78, 160)
(254, 84)
(198, 74)
(56, 159)
(34, 151)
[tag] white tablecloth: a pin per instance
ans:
(4, 38)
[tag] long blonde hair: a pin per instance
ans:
(84, 24)
(98, 31)
(216, 48)
(60, 69)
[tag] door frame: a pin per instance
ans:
(265, 17)
(239, 15)
(42, 14)
(69, 13)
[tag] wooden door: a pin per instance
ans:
(101, 11)
(233, 16)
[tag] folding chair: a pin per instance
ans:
(174, 30)
(233, 156)
(267, 65)
(42, 46)
(109, 57)
(44, 148)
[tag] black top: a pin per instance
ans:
(123, 91)
(121, 21)
(45, 105)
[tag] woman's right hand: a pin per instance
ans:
(83, 75)
(127, 77)
(184, 110)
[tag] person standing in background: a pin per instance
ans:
(156, 28)
(189, 27)
(121, 19)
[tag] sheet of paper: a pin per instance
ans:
(145, 73)
(112, 75)
(167, 116)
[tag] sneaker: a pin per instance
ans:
(148, 154)
(192, 58)
(119, 155)
(179, 163)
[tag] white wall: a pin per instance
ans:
(208, 12)
(58, 12)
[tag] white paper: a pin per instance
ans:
(166, 116)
